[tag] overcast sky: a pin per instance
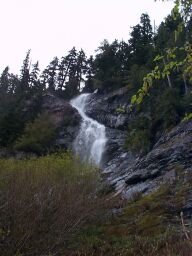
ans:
(52, 27)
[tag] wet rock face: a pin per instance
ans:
(115, 144)
(65, 118)
(111, 109)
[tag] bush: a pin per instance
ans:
(37, 136)
(138, 136)
(43, 202)
(169, 108)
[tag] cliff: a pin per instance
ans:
(129, 173)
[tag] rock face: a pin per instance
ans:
(65, 118)
(127, 173)
(172, 154)
(111, 109)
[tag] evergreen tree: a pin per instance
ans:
(89, 82)
(52, 74)
(4, 82)
(141, 41)
(62, 73)
(34, 76)
(25, 75)
(81, 67)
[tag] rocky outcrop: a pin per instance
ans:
(171, 154)
(111, 109)
(125, 172)
(65, 118)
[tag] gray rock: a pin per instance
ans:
(65, 118)
(171, 153)
(110, 109)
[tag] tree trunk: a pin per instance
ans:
(185, 84)
(168, 77)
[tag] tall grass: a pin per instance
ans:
(43, 202)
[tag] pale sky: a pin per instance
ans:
(52, 27)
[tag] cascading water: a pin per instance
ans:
(91, 139)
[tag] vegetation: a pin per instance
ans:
(139, 136)
(152, 225)
(173, 63)
(43, 202)
(39, 201)
(37, 135)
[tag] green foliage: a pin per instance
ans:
(138, 135)
(136, 74)
(20, 101)
(175, 57)
(169, 109)
(119, 63)
(187, 117)
(141, 41)
(121, 110)
(160, 73)
(164, 108)
(37, 136)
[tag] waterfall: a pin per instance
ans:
(91, 139)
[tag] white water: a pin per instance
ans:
(91, 139)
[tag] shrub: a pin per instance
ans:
(138, 136)
(37, 136)
(169, 108)
(43, 202)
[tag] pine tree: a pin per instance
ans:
(4, 82)
(25, 75)
(52, 74)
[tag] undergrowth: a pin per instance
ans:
(43, 202)
(151, 226)
(50, 206)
